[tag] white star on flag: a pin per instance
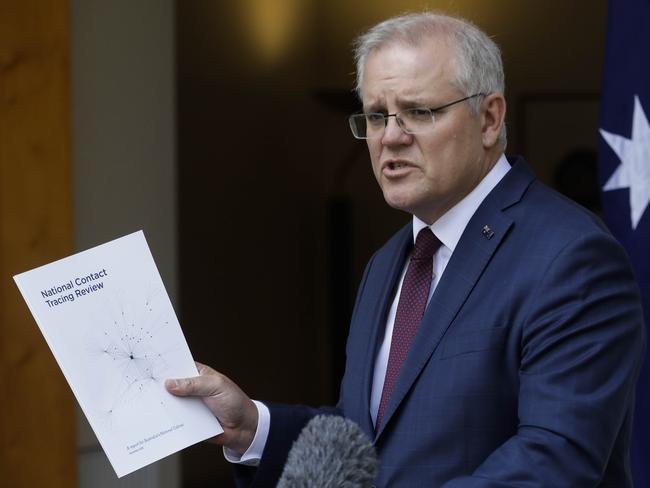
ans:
(634, 170)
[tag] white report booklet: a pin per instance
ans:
(108, 320)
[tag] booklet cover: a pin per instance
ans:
(108, 320)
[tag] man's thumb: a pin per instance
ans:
(179, 386)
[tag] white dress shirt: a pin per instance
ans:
(448, 229)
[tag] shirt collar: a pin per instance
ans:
(450, 226)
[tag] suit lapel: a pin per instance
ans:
(380, 283)
(469, 259)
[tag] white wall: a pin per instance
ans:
(123, 108)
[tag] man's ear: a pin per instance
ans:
(493, 113)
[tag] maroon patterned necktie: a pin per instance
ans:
(410, 309)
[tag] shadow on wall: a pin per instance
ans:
(576, 176)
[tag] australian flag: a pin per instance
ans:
(624, 174)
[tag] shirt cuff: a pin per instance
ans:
(254, 452)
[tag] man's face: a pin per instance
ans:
(423, 174)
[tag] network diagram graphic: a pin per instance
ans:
(129, 345)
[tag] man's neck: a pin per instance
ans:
(431, 215)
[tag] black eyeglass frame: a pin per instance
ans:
(433, 110)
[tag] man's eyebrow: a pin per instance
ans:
(413, 102)
(402, 103)
(375, 107)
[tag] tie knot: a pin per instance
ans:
(426, 244)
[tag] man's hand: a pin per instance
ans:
(236, 413)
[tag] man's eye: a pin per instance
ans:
(375, 118)
(418, 113)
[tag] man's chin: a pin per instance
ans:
(403, 204)
(402, 194)
(425, 213)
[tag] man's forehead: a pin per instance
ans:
(421, 86)
(411, 71)
(433, 47)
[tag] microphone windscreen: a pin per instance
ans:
(330, 451)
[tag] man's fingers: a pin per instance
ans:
(176, 386)
(209, 383)
(204, 369)
(198, 386)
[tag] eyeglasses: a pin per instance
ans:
(411, 120)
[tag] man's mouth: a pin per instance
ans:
(396, 167)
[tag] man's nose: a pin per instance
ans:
(394, 134)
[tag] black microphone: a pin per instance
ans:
(330, 451)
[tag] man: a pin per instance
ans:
(502, 348)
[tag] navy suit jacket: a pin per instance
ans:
(522, 372)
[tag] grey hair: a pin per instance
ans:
(479, 68)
